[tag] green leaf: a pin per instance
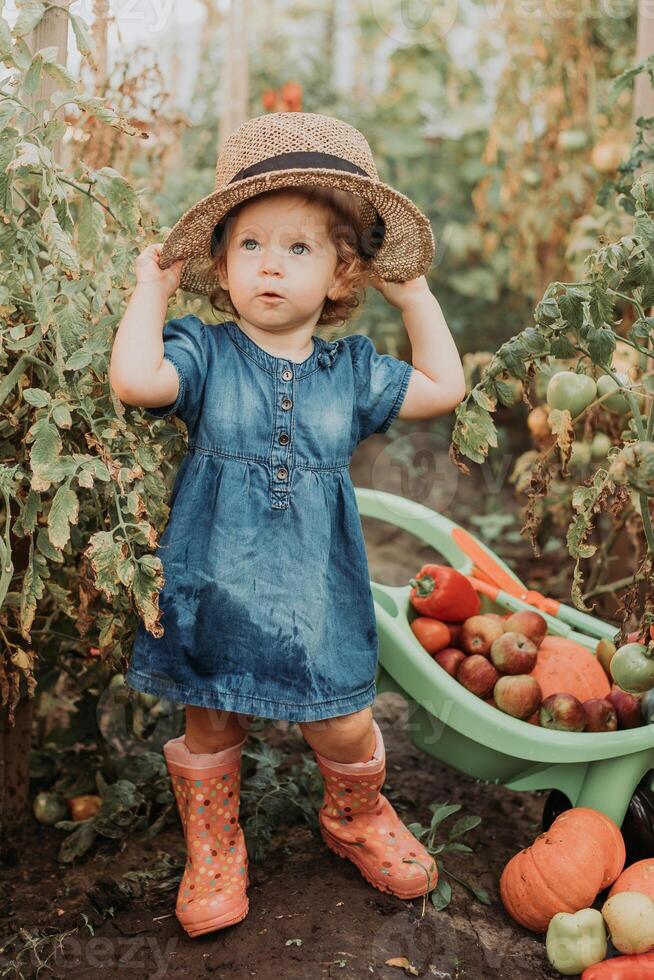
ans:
(46, 547)
(82, 35)
(474, 431)
(442, 812)
(60, 248)
(32, 76)
(25, 155)
(601, 344)
(482, 399)
(463, 825)
(562, 348)
(571, 304)
(481, 895)
(5, 39)
(120, 196)
(547, 311)
(90, 227)
(28, 516)
(80, 359)
(644, 226)
(642, 328)
(33, 589)
(600, 307)
(623, 82)
(62, 417)
(37, 397)
(30, 14)
(64, 511)
(47, 444)
(505, 392)
(441, 895)
(61, 75)
(79, 842)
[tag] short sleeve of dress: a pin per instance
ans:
(381, 383)
(186, 347)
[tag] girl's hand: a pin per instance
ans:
(149, 270)
(400, 294)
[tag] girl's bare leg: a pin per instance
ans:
(347, 739)
(212, 730)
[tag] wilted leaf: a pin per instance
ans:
(403, 963)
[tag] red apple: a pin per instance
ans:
(627, 707)
(563, 712)
(478, 633)
(528, 622)
(478, 675)
(519, 695)
(601, 715)
(449, 659)
(513, 653)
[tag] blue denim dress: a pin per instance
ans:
(266, 604)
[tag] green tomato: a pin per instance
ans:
(600, 445)
(571, 391)
(615, 403)
(629, 917)
(49, 808)
(576, 941)
(581, 454)
(631, 668)
(572, 139)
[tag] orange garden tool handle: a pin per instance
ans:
(486, 568)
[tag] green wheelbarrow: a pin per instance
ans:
(609, 771)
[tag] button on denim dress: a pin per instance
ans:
(266, 603)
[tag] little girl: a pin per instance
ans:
(266, 606)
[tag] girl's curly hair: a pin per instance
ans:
(347, 233)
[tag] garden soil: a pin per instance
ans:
(312, 915)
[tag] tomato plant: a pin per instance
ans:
(578, 324)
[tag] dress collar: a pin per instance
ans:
(322, 355)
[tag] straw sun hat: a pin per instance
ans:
(286, 149)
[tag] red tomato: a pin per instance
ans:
(431, 633)
(269, 99)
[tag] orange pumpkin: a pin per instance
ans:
(564, 869)
(638, 877)
(567, 667)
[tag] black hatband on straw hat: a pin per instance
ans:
(373, 236)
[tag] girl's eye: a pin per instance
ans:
(301, 244)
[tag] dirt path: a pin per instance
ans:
(312, 914)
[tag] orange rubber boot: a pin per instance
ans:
(212, 892)
(359, 823)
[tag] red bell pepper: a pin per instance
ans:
(444, 593)
(640, 966)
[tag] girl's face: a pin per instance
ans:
(279, 245)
